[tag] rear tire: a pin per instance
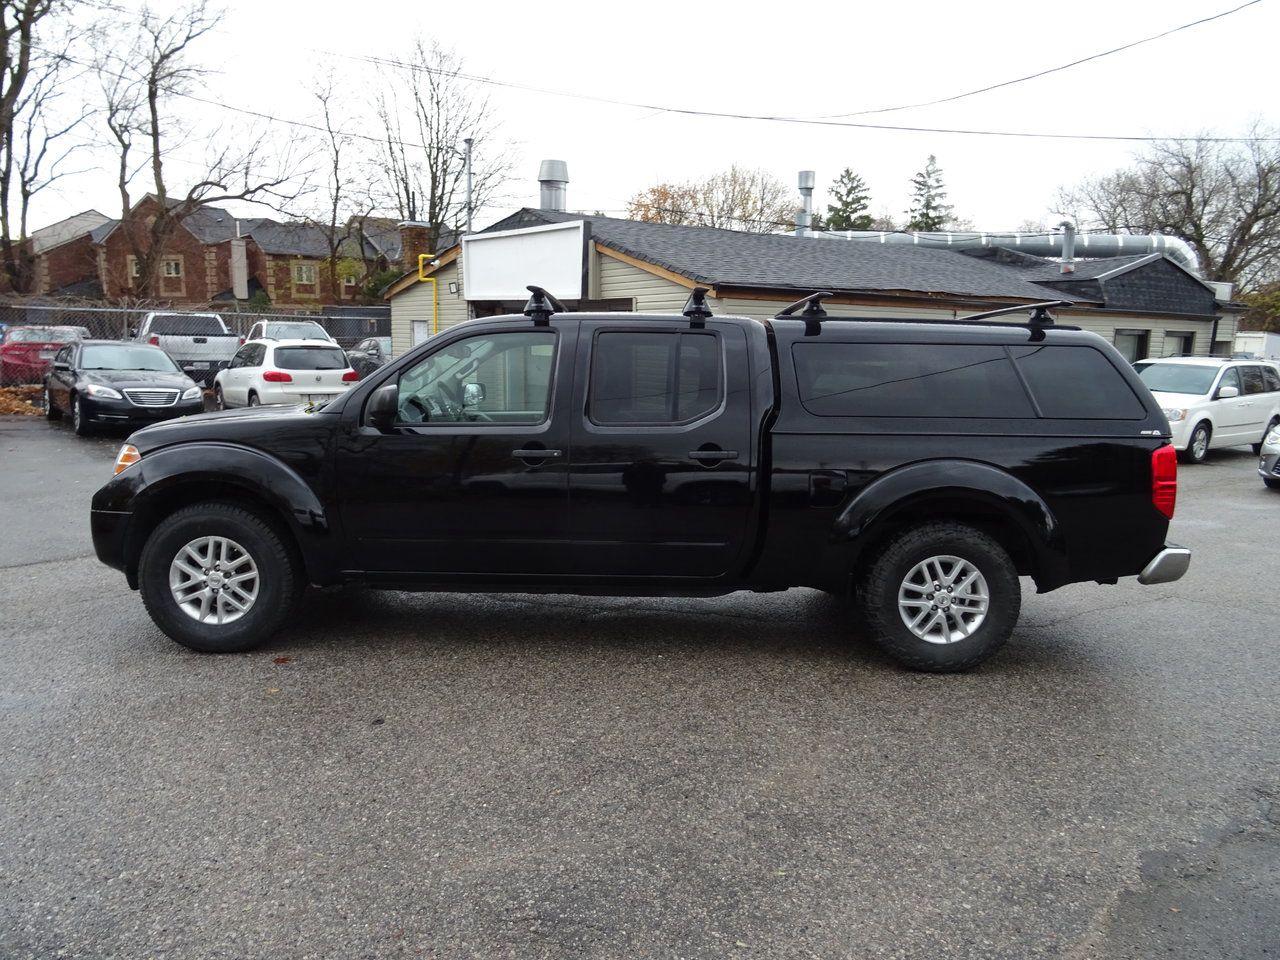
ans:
(1257, 447)
(891, 589)
(253, 399)
(1198, 444)
(219, 402)
(276, 584)
(51, 411)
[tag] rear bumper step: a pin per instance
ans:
(1166, 566)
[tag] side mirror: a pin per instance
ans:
(133, 332)
(61, 365)
(472, 394)
(380, 412)
(1226, 393)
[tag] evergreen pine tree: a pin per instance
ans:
(849, 212)
(929, 209)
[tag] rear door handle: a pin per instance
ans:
(535, 454)
(713, 455)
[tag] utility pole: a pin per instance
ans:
(468, 142)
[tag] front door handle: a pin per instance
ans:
(534, 453)
(713, 455)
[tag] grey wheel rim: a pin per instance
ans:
(75, 413)
(943, 599)
(214, 580)
(1200, 443)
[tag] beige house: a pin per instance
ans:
(1145, 305)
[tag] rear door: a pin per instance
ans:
(660, 478)
(1256, 404)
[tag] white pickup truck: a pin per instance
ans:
(199, 343)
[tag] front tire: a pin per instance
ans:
(1198, 445)
(51, 411)
(218, 578)
(79, 422)
(940, 597)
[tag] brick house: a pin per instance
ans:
(285, 261)
(64, 262)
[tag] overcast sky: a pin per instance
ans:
(809, 59)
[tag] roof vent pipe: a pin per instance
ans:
(1068, 246)
(553, 178)
(804, 222)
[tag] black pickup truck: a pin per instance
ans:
(920, 468)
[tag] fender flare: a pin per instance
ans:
(915, 484)
(257, 474)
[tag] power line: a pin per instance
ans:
(1045, 73)
(806, 121)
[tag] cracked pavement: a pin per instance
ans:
(469, 776)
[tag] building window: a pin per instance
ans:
(135, 269)
(304, 273)
(1178, 343)
(348, 281)
(1132, 344)
(172, 267)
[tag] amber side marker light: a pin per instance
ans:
(126, 458)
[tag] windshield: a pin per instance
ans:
(44, 334)
(126, 357)
(301, 330)
(186, 324)
(310, 358)
(1177, 377)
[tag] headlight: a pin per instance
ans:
(102, 393)
(126, 458)
(1175, 414)
(192, 393)
(1273, 438)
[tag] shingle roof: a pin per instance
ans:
(301, 239)
(736, 259)
(55, 234)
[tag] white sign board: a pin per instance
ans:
(500, 266)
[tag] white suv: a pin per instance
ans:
(283, 371)
(1214, 403)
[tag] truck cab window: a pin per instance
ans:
(650, 378)
(494, 378)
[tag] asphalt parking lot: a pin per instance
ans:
(466, 776)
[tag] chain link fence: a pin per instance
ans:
(30, 333)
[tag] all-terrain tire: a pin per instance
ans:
(883, 576)
(280, 576)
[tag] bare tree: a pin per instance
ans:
(341, 231)
(142, 72)
(35, 120)
(425, 123)
(754, 201)
(1223, 199)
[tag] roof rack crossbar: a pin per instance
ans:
(1039, 312)
(812, 305)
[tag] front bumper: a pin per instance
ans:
(1166, 566)
(1269, 464)
(1180, 433)
(108, 529)
(97, 410)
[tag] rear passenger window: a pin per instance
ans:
(1077, 383)
(1253, 382)
(654, 377)
(1272, 378)
(908, 380)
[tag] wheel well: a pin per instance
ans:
(160, 505)
(986, 517)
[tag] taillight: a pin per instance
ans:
(153, 340)
(277, 376)
(350, 377)
(242, 341)
(1164, 479)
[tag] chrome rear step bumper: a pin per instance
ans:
(1166, 566)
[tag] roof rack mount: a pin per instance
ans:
(541, 306)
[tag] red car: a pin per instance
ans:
(25, 352)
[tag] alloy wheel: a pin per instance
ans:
(943, 599)
(214, 580)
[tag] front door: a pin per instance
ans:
(471, 480)
(660, 475)
(1231, 414)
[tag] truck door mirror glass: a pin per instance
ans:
(383, 404)
(472, 394)
(1226, 393)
